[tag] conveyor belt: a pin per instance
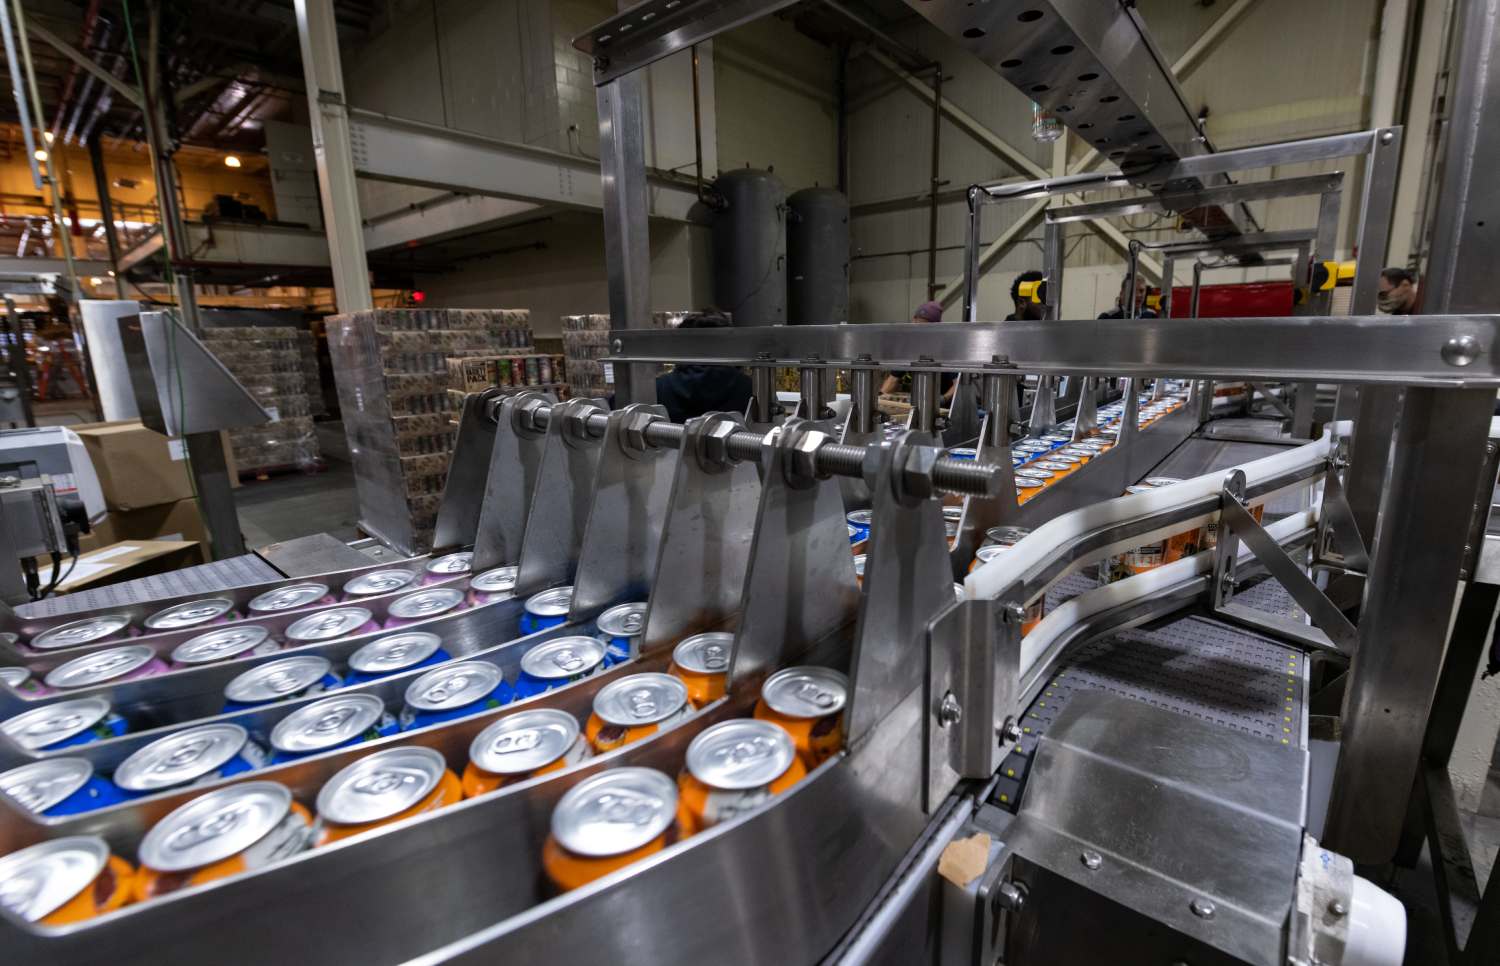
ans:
(1190, 664)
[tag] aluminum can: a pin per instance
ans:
(330, 624)
(423, 605)
(635, 707)
(521, 746)
(280, 680)
(608, 821)
(447, 566)
(1034, 610)
(21, 681)
(963, 453)
(64, 724)
(393, 654)
(562, 660)
(454, 691)
(195, 756)
(732, 768)
(130, 662)
(192, 613)
(1005, 536)
(225, 644)
(808, 702)
(859, 568)
(337, 721)
(702, 662)
(546, 609)
(1059, 468)
(860, 520)
(496, 584)
(383, 788)
(90, 630)
(64, 881)
(59, 786)
(855, 536)
(1034, 471)
(1027, 489)
(620, 628)
(220, 834)
(378, 582)
(290, 597)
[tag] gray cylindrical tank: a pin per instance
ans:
(749, 241)
(817, 247)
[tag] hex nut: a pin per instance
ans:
(633, 429)
(916, 472)
(713, 443)
(803, 457)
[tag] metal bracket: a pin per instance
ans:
(562, 499)
(1339, 543)
(515, 460)
(1043, 406)
(1281, 407)
(1333, 632)
(463, 490)
(617, 558)
(971, 689)
(963, 413)
(1086, 419)
(706, 536)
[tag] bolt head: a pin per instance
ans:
(1461, 350)
(1203, 908)
(1386, 137)
(1009, 731)
(1338, 909)
(1091, 860)
(1011, 896)
(950, 712)
(616, 345)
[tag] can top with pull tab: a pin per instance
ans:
(740, 754)
(805, 692)
(100, 666)
(37, 881)
(181, 758)
(615, 811)
(215, 826)
(289, 597)
(381, 785)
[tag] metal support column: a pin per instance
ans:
(1052, 261)
(627, 235)
(334, 153)
(106, 210)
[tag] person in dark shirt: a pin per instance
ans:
(689, 391)
(1027, 308)
(1142, 310)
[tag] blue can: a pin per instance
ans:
(547, 609)
(454, 691)
(60, 786)
(963, 453)
(393, 654)
(280, 680)
(562, 660)
(859, 525)
(193, 756)
(620, 629)
(336, 721)
(64, 724)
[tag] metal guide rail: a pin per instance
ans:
(780, 579)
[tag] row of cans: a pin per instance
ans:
(222, 610)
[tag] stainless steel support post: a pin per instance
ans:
(764, 407)
(999, 396)
(1053, 255)
(864, 396)
(924, 398)
(1168, 270)
(1416, 557)
(811, 385)
(334, 152)
(627, 234)
(1132, 270)
(1197, 288)
(971, 255)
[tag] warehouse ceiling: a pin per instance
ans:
(233, 64)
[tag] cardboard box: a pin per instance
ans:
(136, 467)
(169, 521)
(127, 561)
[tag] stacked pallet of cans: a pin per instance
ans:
(585, 342)
(267, 361)
(307, 350)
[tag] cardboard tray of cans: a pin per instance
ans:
(268, 361)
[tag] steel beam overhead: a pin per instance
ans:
(333, 147)
(1180, 200)
(87, 63)
(1456, 351)
(412, 152)
(653, 29)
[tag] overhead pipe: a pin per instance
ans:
(86, 40)
(19, 90)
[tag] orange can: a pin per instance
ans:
(63, 881)
(521, 746)
(608, 821)
(1027, 489)
(808, 702)
(635, 707)
(230, 830)
(383, 788)
(732, 768)
(702, 660)
(990, 551)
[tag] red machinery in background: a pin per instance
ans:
(1243, 299)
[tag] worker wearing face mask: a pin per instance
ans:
(1397, 293)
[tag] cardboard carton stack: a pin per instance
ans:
(312, 382)
(147, 488)
(268, 362)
